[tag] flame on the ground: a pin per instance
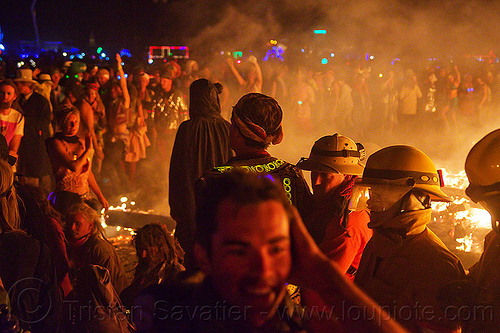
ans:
(461, 213)
(465, 243)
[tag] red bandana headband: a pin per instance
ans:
(253, 131)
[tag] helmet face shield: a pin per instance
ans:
(376, 197)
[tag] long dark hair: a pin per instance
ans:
(167, 247)
(9, 219)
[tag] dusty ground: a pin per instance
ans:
(126, 252)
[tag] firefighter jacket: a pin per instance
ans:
(402, 268)
(485, 275)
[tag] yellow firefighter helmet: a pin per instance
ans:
(483, 167)
(404, 166)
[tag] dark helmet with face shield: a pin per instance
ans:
(483, 170)
(391, 173)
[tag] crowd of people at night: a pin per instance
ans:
(255, 248)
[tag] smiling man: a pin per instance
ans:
(250, 243)
(243, 247)
(248, 256)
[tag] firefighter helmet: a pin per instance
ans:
(404, 166)
(335, 154)
(483, 167)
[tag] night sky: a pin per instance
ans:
(373, 25)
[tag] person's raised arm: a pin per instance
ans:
(123, 82)
(258, 82)
(230, 63)
(58, 151)
(87, 121)
(312, 270)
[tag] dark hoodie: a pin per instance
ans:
(201, 143)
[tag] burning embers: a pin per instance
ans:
(461, 224)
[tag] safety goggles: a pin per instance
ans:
(377, 197)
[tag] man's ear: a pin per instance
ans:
(202, 257)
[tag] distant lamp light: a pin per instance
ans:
(299, 102)
(302, 50)
(72, 56)
(332, 54)
(150, 61)
(107, 58)
(372, 57)
(83, 54)
(2, 48)
(99, 49)
(380, 75)
(103, 55)
(324, 61)
(65, 54)
(320, 32)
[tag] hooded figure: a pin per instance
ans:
(201, 143)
